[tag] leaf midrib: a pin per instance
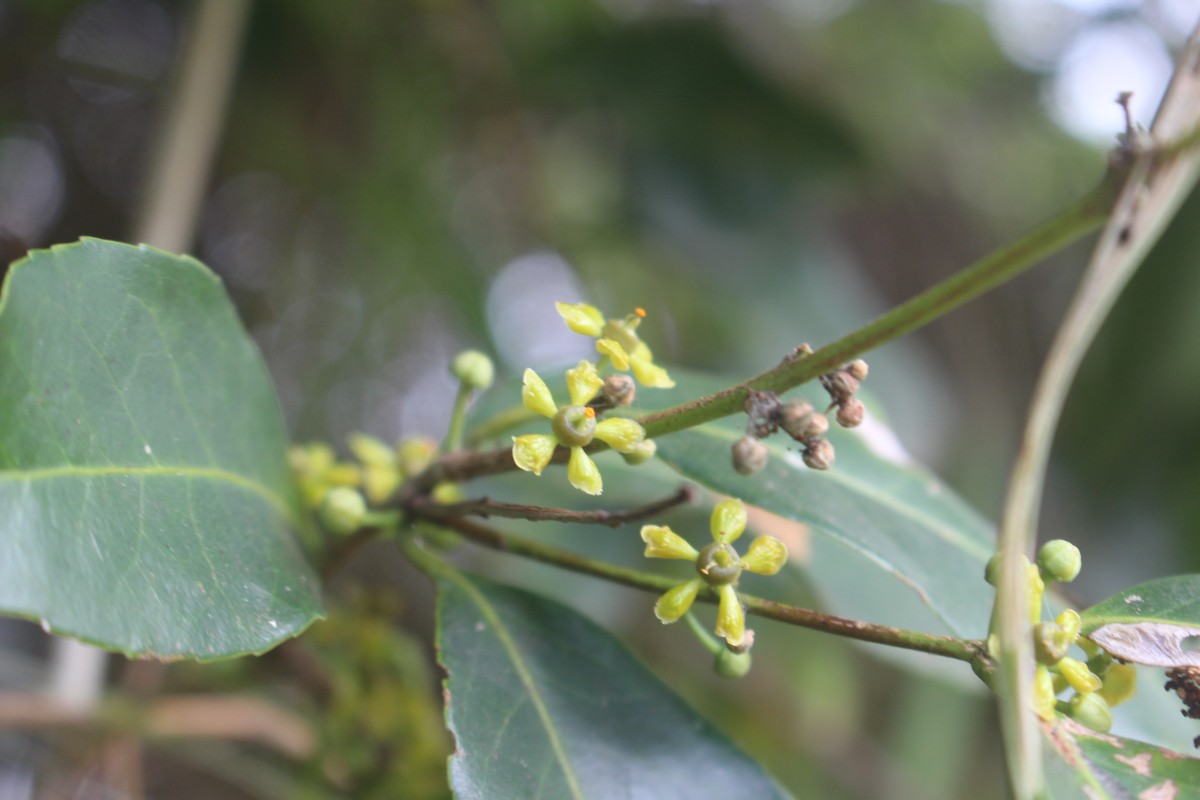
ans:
(70, 471)
(523, 674)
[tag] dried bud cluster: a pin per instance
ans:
(841, 385)
(1185, 682)
(766, 414)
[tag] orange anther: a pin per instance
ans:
(589, 412)
(641, 312)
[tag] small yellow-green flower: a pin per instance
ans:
(718, 566)
(618, 340)
(573, 425)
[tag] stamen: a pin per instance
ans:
(589, 412)
(641, 312)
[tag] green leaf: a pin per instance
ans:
(1098, 766)
(544, 703)
(895, 518)
(1149, 623)
(145, 499)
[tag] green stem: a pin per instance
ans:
(947, 646)
(1081, 219)
(497, 424)
(458, 418)
(707, 639)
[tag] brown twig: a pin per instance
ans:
(486, 507)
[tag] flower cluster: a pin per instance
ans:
(617, 340)
(718, 566)
(1099, 684)
(576, 424)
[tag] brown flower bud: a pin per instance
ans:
(858, 369)
(841, 384)
(818, 454)
(749, 455)
(795, 416)
(618, 389)
(851, 412)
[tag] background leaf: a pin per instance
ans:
(1097, 765)
(145, 497)
(878, 511)
(544, 703)
(1148, 623)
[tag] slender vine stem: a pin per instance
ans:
(1079, 220)
(947, 646)
(487, 507)
(458, 419)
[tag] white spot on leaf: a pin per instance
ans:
(148, 450)
(1133, 598)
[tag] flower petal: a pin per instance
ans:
(728, 521)
(583, 383)
(582, 472)
(536, 396)
(581, 318)
(766, 556)
(731, 620)
(622, 435)
(379, 482)
(662, 542)
(646, 372)
(370, 451)
(676, 602)
(616, 354)
(533, 451)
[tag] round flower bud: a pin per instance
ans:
(749, 455)
(731, 665)
(858, 369)
(473, 368)
(1059, 560)
(641, 452)
(574, 426)
(618, 389)
(342, 510)
(819, 454)
(841, 385)
(718, 564)
(1050, 643)
(794, 417)
(1091, 710)
(851, 412)
(818, 425)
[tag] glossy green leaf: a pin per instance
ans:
(900, 522)
(1153, 623)
(545, 704)
(1098, 766)
(145, 499)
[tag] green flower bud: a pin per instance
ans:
(1059, 561)
(1050, 643)
(1082, 679)
(718, 564)
(414, 455)
(1120, 684)
(1070, 621)
(370, 451)
(640, 453)
(342, 510)
(474, 369)
(574, 426)
(731, 665)
(819, 453)
(1092, 710)
(749, 455)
